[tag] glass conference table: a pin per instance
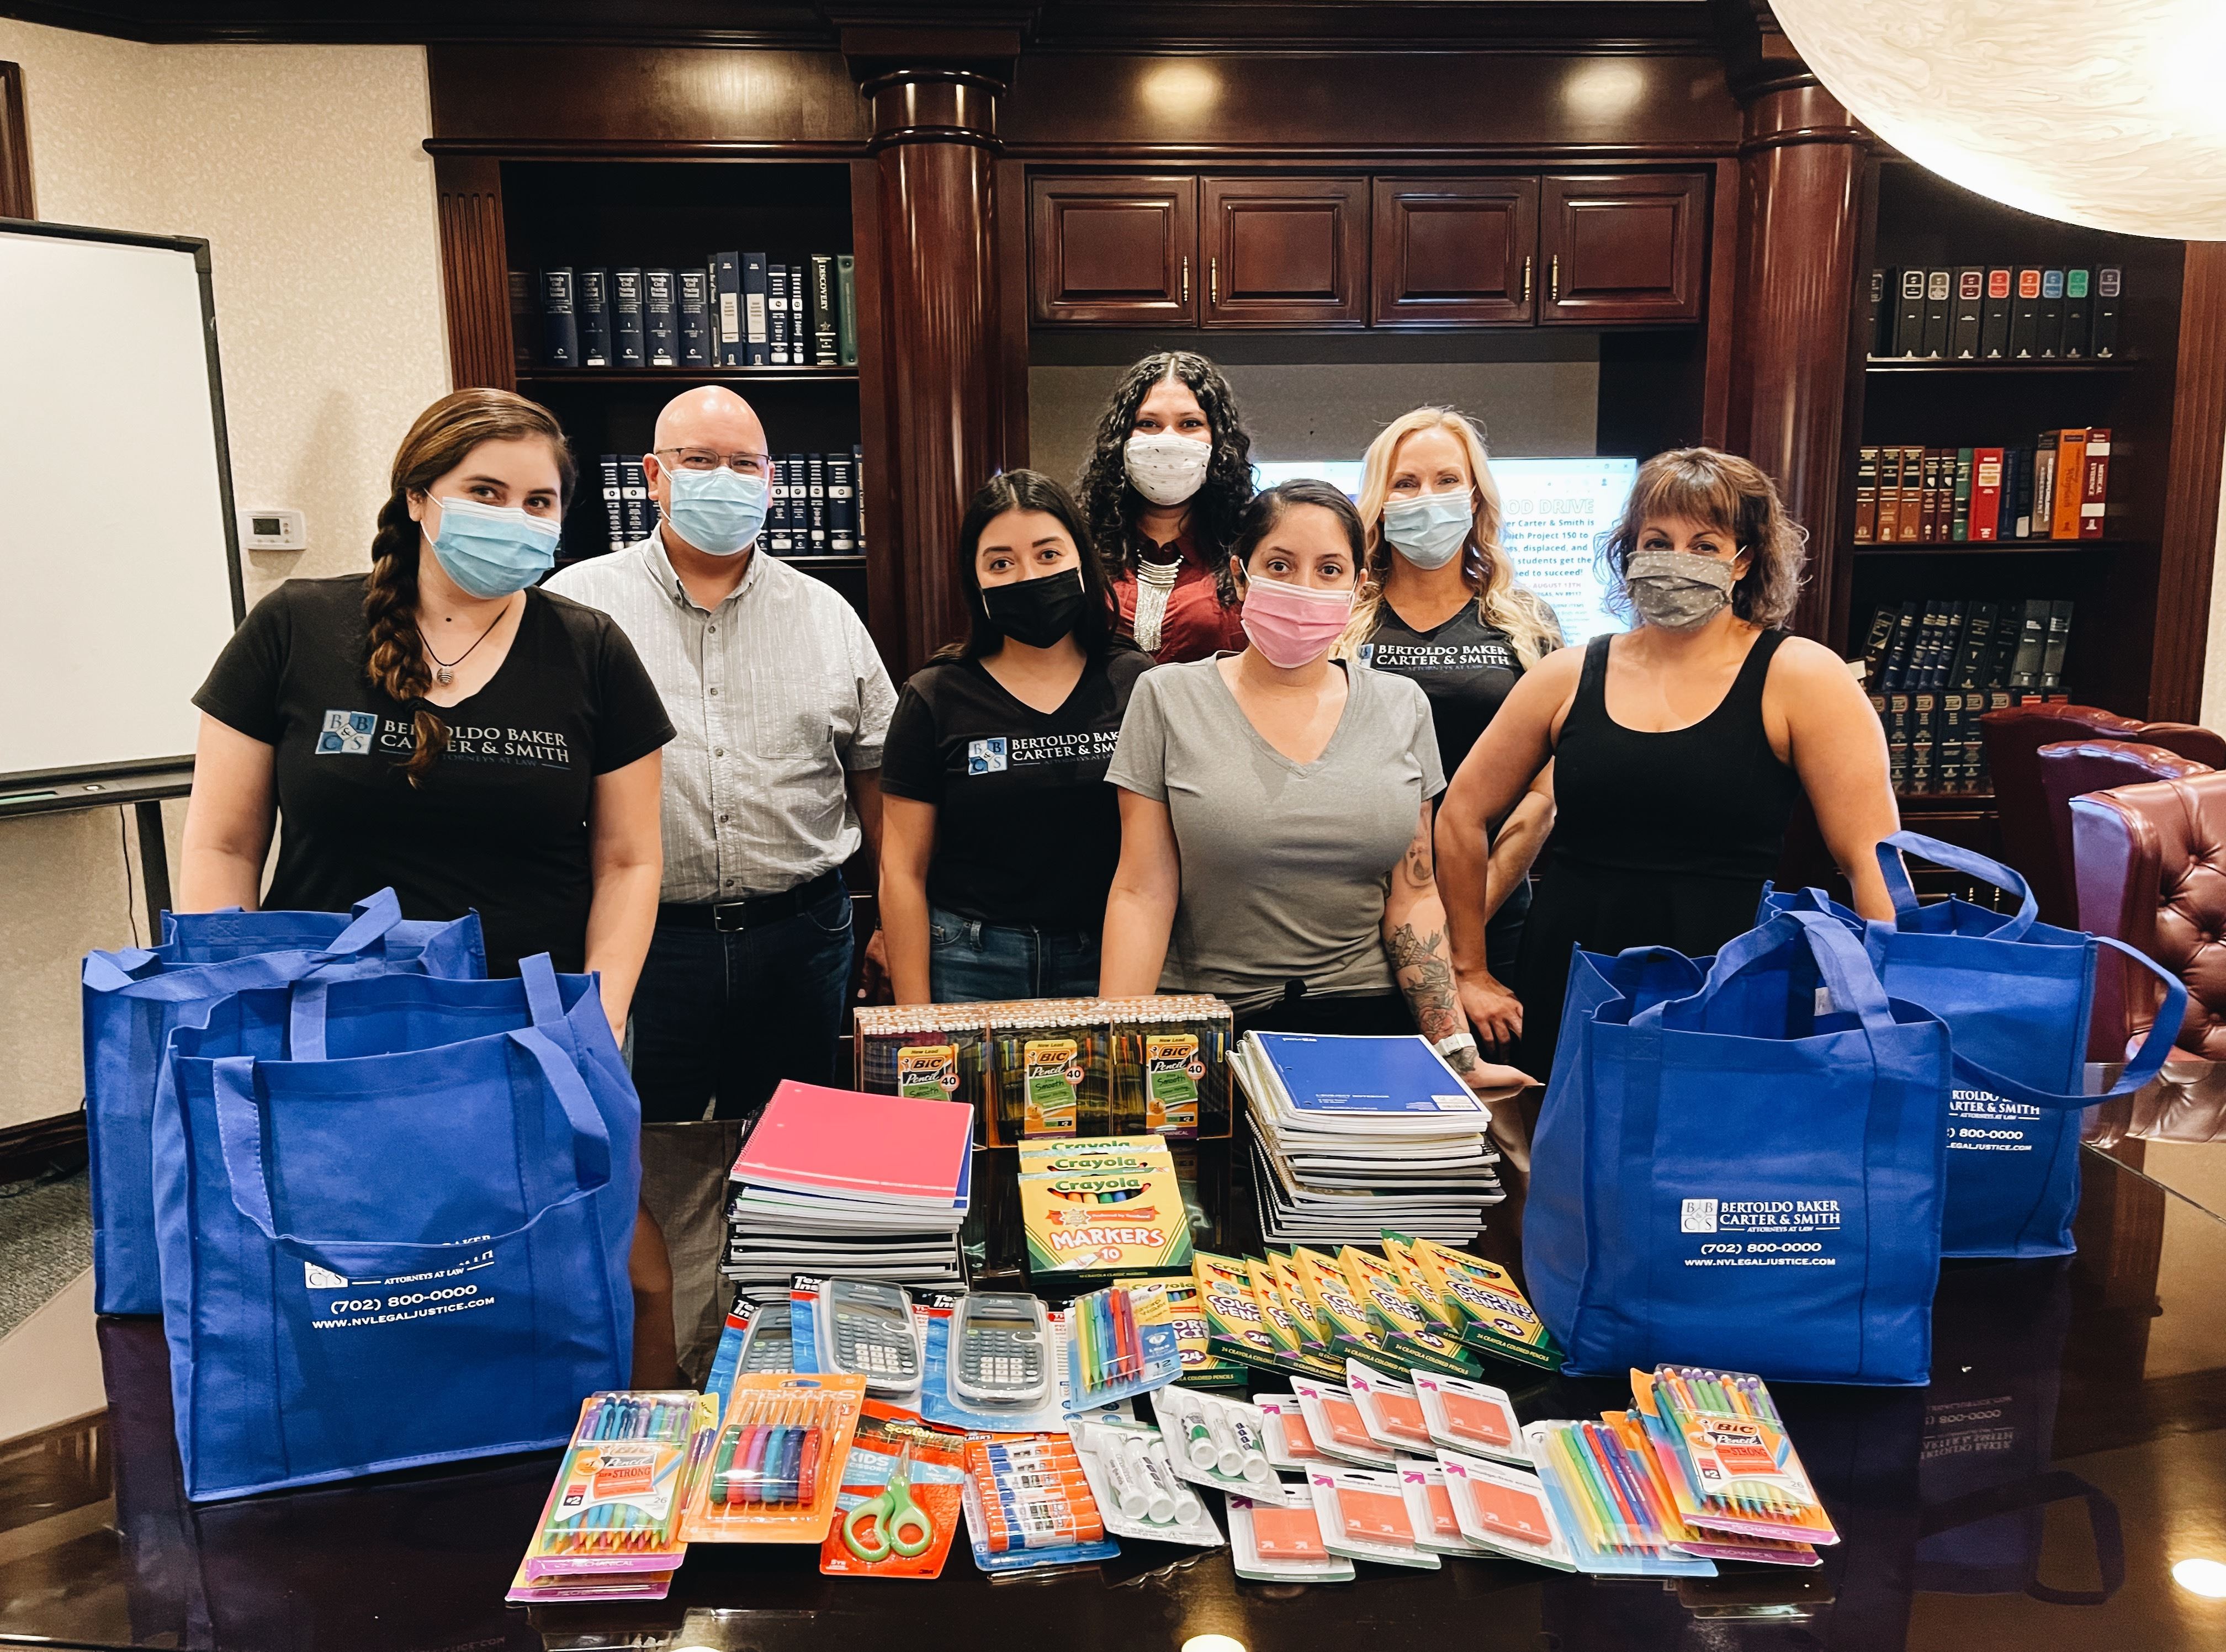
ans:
(2069, 1457)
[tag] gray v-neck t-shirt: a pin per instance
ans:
(1285, 866)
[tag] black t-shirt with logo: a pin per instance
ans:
(1465, 667)
(1027, 831)
(500, 825)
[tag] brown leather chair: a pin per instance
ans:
(2070, 768)
(2014, 736)
(2152, 872)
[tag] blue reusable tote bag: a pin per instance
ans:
(384, 1260)
(2017, 996)
(1746, 1176)
(134, 998)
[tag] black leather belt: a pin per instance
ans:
(730, 916)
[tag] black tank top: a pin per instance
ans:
(1712, 800)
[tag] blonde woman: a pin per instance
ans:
(1439, 603)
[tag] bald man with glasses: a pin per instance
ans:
(772, 782)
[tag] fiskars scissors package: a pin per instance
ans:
(897, 1510)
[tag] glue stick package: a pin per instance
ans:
(1363, 1513)
(1214, 1441)
(1275, 1536)
(1336, 1426)
(1388, 1410)
(1289, 1445)
(1138, 1492)
(1471, 1417)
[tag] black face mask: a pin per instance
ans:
(1037, 612)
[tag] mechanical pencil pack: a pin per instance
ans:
(1120, 1344)
(1201, 1366)
(617, 1502)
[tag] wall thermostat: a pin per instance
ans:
(273, 530)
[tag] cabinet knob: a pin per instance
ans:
(1553, 278)
(1185, 278)
(1213, 281)
(1526, 279)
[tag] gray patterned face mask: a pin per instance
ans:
(1678, 590)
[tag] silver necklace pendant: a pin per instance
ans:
(443, 675)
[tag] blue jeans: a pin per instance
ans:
(725, 1017)
(969, 961)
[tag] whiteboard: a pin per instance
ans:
(119, 557)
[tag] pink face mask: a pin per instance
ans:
(1292, 625)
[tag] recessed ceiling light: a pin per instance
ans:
(1213, 1643)
(2206, 1577)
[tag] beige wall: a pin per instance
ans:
(303, 168)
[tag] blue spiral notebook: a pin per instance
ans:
(1324, 1077)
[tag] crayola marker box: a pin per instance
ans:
(1103, 1205)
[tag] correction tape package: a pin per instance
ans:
(1335, 1426)
(1288, 1445)
(776, 1459)
(897, 1511)
(1275, 1536)
(1214, 1441)
(1503, 1508)
(1473, 1417)
(1388, 1410)
(1364, 1517)
(617, 1502)
(1138, 1491)
(1029, 1505)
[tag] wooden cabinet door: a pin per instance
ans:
(1286, 252)
(1623, 247)
(1115, 249)
(1455, 251)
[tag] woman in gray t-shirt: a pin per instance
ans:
(1275, 812)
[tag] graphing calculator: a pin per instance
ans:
(765, 1346)
(866, 1328)
(1000, 1339)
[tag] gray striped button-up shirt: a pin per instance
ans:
(776, 693)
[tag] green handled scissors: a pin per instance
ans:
(891, 1519)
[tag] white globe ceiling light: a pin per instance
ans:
(2111, 114)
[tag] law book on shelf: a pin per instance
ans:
(2078, 313)
(560, 322)
(1876, 641)
(2070, 462)
(846, 309)
(1924, 667)
(1939, 311)
(1866, 495)
(726, 309)
(2043, 485)
(2048, 341)
(1994, 319)
(634, 492)
(777, 317)
(1985, 493)
(858, 481)
(1959, 524)
(1895, 676)
(826, 338)
(1932, 526)
(2024, 315)
(779, 525)
(1908, 315)
(815, 481)
(2032, 647)
(607, 468)
(2018, 469)
(842, 505)
(660, 318)
(2053, 649)
(1889, 495)
(525, 319)
(1970, 309)
(756, 310)
(2102, 326)
(626, 335)
(692, 299)
(1877, 316)
(592, 298)
(2094, 486)
(1912, 527)
(1923, 739)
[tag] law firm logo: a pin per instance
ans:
(346, 734)
(987, 756)
(1698, 1216)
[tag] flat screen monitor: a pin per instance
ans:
(1554, 510)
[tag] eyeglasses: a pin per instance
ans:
(750, 464)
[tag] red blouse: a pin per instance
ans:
(1195, 625)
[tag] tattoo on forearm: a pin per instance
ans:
(1426, 977)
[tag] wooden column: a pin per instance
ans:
(475, 271)
(936, 144)
(1801, 179)
(15, 194)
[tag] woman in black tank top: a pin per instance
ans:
(1678, 749)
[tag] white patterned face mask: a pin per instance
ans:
(1678, 590)
(1167, 469)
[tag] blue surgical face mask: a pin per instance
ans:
(1428, 530)
(491, 551)
(718, 511)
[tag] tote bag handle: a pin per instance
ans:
(239, 1127)
(305, 1038)
(2147, 1061)
(1966, 861)
(1839, 958)
(137, 972)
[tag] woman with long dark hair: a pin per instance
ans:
(1169, 476)
(998, 833)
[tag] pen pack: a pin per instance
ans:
(1214, 1441)
(1389, 1411)
(617, 1502)
(1029, 1505)
(1288, 1445)
(1407, 1334)
(895, 1465)
(1503, 1507)
(1132, 1478)
(1610, 1502)
(1473, 1417)
(1335, 1426)
(1201, 1366)
(776, 1459)
(1275, 1536)
(1364, 1516)
(1120, 1344)
(1727, 1457)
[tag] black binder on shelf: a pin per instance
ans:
(2102, 329)
(2048, 339)
(778, 328)
(2058, 639)
(606, 467)
(1994, 318)
(633, 494)
(2078, 313)
(780, 510)
(691, 298)
(756, 316)
(826, 339)
(727, 316)
(815, 474)
(1939, 311)
(560, 325)
(1909, 314)
(842, 505)
(593, 300)
(660, 318)
(525, 319)
(2031, 646)
(2024, 316)
(626, 333)
(1970, 307)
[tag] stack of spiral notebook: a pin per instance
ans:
(1352, 1135)
(830, 1181)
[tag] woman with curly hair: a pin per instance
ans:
(1169, 474)
(1679, 748)
(1439, 603)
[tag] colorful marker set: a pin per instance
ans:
(1725, 1456)
(774, 1465)
(1120, 1342)
(772, 1453)
(1028, 1503)
(617, 1502)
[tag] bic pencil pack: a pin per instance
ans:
(1726, 1456)
(617, 1504)
(775, 1462)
